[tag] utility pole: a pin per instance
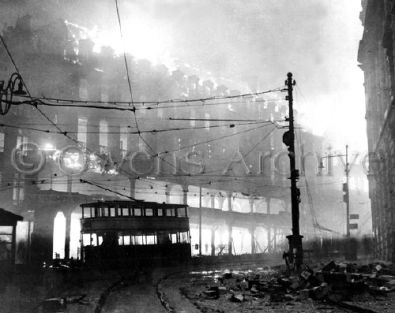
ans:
(347, 196)
(295, 240)
(200, 220)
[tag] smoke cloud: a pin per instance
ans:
(248, 45)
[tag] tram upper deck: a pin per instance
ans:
(134, 230)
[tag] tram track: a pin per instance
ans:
(115, 286)
(103, 297)
(137, 281)
(161, 295)
(343, 306)
(163, 298)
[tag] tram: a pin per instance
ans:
(124, 233)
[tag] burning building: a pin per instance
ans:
(87, 132)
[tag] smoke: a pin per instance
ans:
(248, 45)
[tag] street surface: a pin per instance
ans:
(222, 288)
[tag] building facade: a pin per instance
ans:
(225, 154)
(376, 57)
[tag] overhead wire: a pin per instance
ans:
(152, 131)
(84, 181)
(248, 152)
(203, 101)
(209, 141)
(87, 105)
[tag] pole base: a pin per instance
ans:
(295, 252)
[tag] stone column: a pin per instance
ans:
(221, 200)
(230, 240)
(252, 233)
(42, 236)
(13, 245)
(269, 229)
(229, 197)
(67, 241)
(213, 241)
(185, 195)
(251, 201)
(69, 184)
(132, 187)
(167, 193)
(212, 201)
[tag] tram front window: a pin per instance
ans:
(181, 212)
(184, 238)
(89, 240)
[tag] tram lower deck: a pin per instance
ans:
(120, 233)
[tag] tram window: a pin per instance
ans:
(137, 212)
(184, 237)
(173, 238)
(89, 239)
(160, 212)
(126, 240)
(97, 212)
(86, 239)
(119, 212)
(149, 212)
(112, 211)
(125, 211)
(123, 240)
(100, 240)
(92, 212)
(170, 212)
(181, 212)
(138, 240)
(151, 239)
(105, 212)
(94, 239)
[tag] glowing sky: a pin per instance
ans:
(249, 45)
(252, 45)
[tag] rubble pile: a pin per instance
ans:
(334, 284)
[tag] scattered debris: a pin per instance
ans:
(52, 305)
(239, 297)
(333, 284)
(75, 299)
